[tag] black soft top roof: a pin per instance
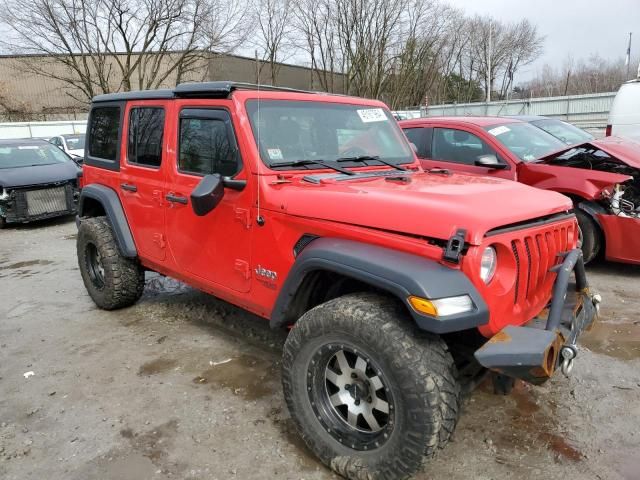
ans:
(190, 90)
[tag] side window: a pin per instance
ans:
(458, 146)
(55, 141)
(103, 133)
(206, 143)
(144, 145)
(421, 138)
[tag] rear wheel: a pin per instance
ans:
(369, 395)
(590, 235)
(3, 222)
(113, 281)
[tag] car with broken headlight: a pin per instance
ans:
(601, 177)
(395, 285)
(37, 181)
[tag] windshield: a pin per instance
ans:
(564, 131)
(527, 142)
(16, 156)
(290, 131)
(74, 142)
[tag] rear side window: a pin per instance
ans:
(144, 145)
(104, 132)
(207, 144)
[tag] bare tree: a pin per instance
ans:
(99, 46)
(10, 110)
(576, 77)
(314, 20)
(272, 18)
(498, 50)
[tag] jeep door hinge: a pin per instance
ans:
(454, 247)
(159, 240)
(243, 216)
(157, 197)
(243, 267)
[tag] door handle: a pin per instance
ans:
(128, 187)
(177, 199)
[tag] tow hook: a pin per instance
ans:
(568, 354)
(597, 300)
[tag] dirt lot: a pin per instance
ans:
(185, 386)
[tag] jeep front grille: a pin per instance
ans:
(534, 256)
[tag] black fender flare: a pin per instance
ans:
(109, 200)
(398, 273)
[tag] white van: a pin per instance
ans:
(624, 117)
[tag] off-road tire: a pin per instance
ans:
(122, 279)
(418, 370)
(591, 236)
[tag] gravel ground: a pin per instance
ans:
(185, 386)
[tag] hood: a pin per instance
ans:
(25, 176)
(625, 150)
(428, 204)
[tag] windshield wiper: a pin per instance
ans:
(322, 163)
(365, 158)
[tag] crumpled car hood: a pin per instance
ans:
(25, 176)
(429, 205)
(625, 150)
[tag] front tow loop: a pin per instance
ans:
(570, 352)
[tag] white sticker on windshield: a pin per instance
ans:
(28, 147)
(372, 115)
(499, 130)
(274, 153)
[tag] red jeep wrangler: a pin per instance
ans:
(312, 211)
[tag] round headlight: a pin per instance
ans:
(488, 264)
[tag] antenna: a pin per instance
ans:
(259, 218)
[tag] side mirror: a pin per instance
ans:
(490, 161)
(207, 194)
(413, 147)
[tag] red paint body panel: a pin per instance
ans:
(577, 182)
(219, 252)
(623, 238)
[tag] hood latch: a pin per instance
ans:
(454, 247)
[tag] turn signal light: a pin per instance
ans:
(422, 305)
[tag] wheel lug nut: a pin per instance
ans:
(353, 375)
(369, 399)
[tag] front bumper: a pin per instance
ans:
(535, 351)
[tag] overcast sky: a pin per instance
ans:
(571, 27)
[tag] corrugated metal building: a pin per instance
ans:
(25, 96)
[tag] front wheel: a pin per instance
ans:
(369, 396)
